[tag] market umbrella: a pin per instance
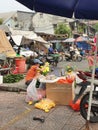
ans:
(86, 9)
(82, 9)
(82, 38)
(69, 40)
(58, 7)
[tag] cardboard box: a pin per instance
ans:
(61, 94)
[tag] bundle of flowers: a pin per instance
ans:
(69, 69)
(45, 69)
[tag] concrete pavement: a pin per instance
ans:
(16, 114)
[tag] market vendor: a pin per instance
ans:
(34, 72)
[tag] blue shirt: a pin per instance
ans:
(50, 50)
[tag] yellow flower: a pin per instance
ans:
(45, 68)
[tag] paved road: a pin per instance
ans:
(83, 65)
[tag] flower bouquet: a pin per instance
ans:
(45, 69)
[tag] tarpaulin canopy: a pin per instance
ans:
(5, 46)
(69, 40)
(25, 37)
(22, 37)
(82, 38)
(81, 9)
(21, 40)
(17, 39)
(40, 39)
(26, 34)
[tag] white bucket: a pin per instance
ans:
(1, 79)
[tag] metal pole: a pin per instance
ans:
(92, 81)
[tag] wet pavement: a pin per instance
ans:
(16, 114)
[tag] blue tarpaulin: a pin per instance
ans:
(84, 45)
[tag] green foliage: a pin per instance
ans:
(81, 28)
(63, 29)
(96, 27)
(1, 21)
(12, 78)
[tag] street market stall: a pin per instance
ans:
(81, 9)
(7, 53)
(62, 86)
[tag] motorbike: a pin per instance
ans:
(52, 59)
(83, 94)
(75, 56)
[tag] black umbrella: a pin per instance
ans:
(58, 7)
(82, 9)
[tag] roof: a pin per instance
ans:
(27, 34)
(22, 37)
(6, 16)
(5, 28)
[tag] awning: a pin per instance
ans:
(82, 38)
(26, 34)
(17, 39)
(25, 37)
(22, 37)
(40, 39)
(69, 40)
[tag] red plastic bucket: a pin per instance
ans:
(21, 64)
